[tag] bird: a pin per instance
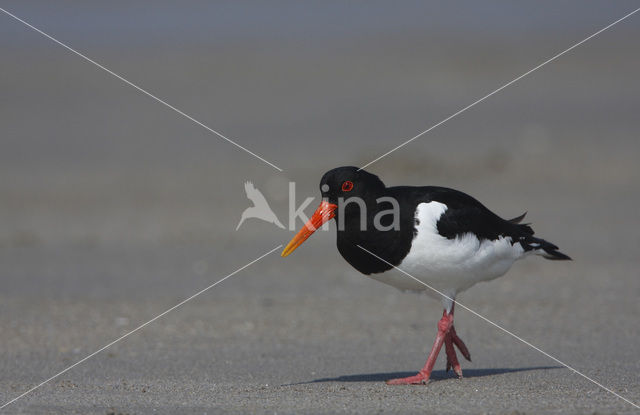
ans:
(445, 239)
(260, 208)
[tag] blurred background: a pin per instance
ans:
(113, 207)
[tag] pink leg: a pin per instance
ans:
(452, 359)
(447, 336)
(459, 344)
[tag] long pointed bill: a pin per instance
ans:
(324, 212)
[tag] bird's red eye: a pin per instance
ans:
(347, 186)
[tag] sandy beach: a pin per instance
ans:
(114, 208)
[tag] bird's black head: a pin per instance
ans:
(347, 182)
(338, 186)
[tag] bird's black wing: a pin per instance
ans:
(465, 215)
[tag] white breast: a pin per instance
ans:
(449, 265)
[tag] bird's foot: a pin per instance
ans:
(452, 359)
(419, 379)
(447, 336)
(460, 344)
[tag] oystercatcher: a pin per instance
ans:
(443, 237)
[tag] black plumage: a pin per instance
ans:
(464, 215)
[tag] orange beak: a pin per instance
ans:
(324, 212)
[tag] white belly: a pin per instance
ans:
(449, 265)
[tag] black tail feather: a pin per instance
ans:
(555, 255)
(517, 219)
(549, 250)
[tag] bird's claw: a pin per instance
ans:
(450, 340)
(418, 379)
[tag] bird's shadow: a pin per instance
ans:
(436, 375)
